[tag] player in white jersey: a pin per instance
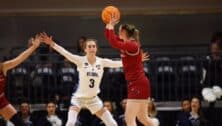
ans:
(90, 68)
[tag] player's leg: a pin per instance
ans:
(72, 115)
(132, 109)
(106, 117)
(10, 113)
(96, 107)
(142, 115)
(74, 110)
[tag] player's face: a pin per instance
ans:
(91, 48)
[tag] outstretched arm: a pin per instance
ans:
(112, 64)
(116, 64)
(7, 65)
(71, 57)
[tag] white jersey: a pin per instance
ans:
(90, 75)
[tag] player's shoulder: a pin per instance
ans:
(102, 59)
(82, 58)
(99, 58)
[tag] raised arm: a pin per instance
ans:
(112, 64)
(71, 57)
(116, 43)
(114, 40)
(7, 65)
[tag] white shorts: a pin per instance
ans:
(94, 104)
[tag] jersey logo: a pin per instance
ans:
(98, 67)
(86, 65)
(92, 74)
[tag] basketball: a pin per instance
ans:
(107, 11)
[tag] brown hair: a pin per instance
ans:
(131, 31)
(88, 40)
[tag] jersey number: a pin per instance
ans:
(92, 83)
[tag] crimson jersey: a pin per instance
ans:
(3, 101)
(2, 83)
(131, 56)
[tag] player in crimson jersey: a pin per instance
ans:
(138, 84)
(7, 111)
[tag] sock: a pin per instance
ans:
(107, 118)
(72, 116)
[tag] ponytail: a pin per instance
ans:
(131, 31)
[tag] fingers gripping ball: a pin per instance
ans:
(217, 91)
(208, 95)
(107, 11)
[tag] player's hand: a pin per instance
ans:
(36, 41)
(114, 19)
(145, 56)
(46, 39)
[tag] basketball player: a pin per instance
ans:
(6, 109)
(90, 68)
(138, 84)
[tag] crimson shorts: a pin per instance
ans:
(3, 102)
(139, 89)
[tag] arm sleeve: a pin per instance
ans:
(71, 57)
(115, 42)
(111, 64)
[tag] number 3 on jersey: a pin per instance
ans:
(92, 83)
